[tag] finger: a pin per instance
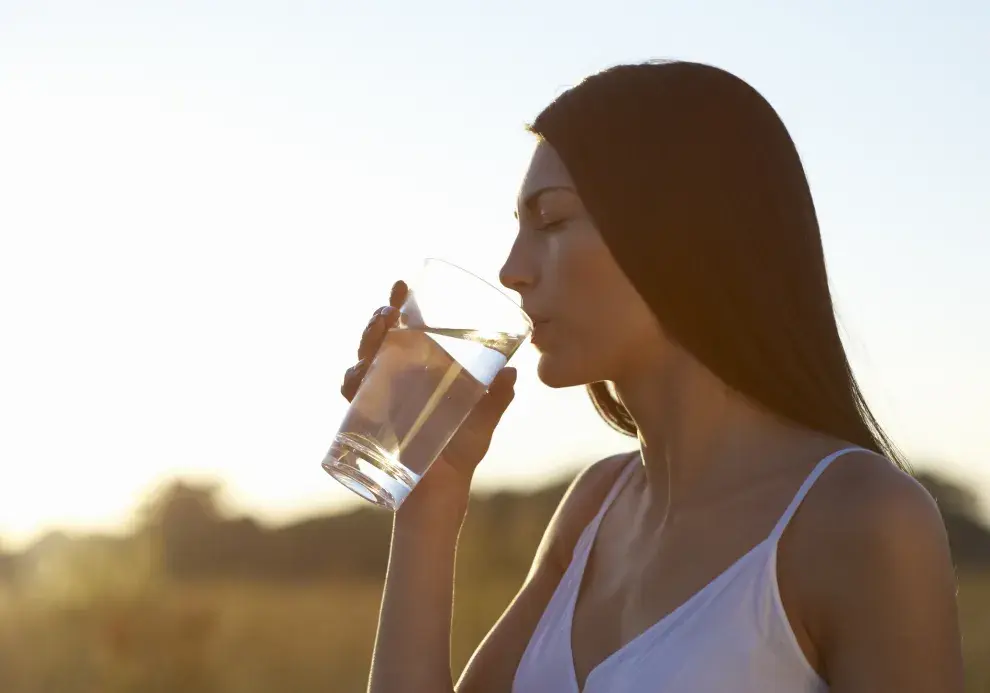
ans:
(384, 319)
(390, 316)
(353, 378)
(373, 334)
(498, 398)
(505, 383)
(398, 294)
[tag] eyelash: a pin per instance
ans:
(551, 226)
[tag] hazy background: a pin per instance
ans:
(201, 203)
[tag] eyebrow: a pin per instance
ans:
(529, 202)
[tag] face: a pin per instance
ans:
(590, 323)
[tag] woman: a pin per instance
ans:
(763, 537)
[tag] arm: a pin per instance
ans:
(493, 666)
(412, 648)
(884, 614)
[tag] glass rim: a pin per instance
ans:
(439, 260)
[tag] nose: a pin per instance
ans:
(517, 272)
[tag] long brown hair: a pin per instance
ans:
(699, 192)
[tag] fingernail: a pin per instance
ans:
(359, 366)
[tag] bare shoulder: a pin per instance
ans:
(872, 573)
(864, 501)
(494, 663)
(592, 483)
(578, 506)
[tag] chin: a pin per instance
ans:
(557, 373)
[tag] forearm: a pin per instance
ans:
(412, 648)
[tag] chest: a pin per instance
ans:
(635, 585)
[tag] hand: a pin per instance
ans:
(449, 478)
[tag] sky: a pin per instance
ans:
(202, 203)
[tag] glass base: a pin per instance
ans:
(360, 465)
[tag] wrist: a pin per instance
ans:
(432, 513)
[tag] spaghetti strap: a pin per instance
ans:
(732, 634)
(587, 536)
(620, 482)
(809, 481)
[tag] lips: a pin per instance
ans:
(539, 330)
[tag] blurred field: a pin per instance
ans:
(193, 601)
(242, 638)
(974, 610)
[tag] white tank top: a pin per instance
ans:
(732, 635)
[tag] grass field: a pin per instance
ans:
(243, 638)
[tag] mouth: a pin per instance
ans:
(539, 330)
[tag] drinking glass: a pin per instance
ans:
(454, 334)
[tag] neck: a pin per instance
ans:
(696, 435)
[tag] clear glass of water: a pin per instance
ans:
(455, 333)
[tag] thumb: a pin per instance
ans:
(500, 394)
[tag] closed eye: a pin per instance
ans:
(552, 225)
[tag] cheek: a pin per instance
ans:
(604, 314)
(583, 256)
(582, 271)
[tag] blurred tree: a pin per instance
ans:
(183, 529)
(969, 538)
(950, 496)
(180, 522)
